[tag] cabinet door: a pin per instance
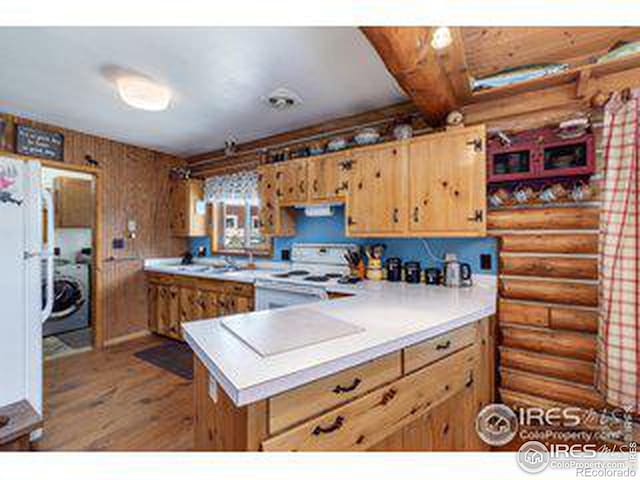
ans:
(192, 304)
(152, 302)
(185, 219)
(377, 199)
(73, 202)
(274, 221)
(168, 311)
(211, 308)
(178, 208)
(447, 183)
(327, 176)
(291, 182)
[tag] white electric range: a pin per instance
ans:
(315, 266)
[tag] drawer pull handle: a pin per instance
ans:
(331, 428)
(340, 389)
(469, 381)
(443, 346)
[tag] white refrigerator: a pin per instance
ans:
(26, 269)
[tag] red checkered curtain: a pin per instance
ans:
(619, 326)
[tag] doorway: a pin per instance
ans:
(71, 328)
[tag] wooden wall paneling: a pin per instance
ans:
(548, 218)
(573, 319)
(578, 371)
(558, 390)
(548, 266)
(575, 243)
(523, 314)
(553, 342)
(134, 184)
(563, 292)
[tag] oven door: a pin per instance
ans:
(272, 295)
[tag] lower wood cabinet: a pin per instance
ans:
(391, 403)
(175, 299)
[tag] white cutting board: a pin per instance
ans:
(275, 331)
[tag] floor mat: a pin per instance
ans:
(173, 356)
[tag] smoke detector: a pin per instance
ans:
(283, 99)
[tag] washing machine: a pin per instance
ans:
(72, 298)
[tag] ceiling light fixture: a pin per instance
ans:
(441, 38)
(143, 93)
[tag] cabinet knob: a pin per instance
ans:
(395, 215)
(350, 220)
(315, 184)
(416, 212)
(337, 423)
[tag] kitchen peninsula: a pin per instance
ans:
(408, 369)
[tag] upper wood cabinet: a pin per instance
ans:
(74, 202)
(187, 217)
(291, 182)
(274, 221)
(447, 179)
(377, 198)
(328, 176)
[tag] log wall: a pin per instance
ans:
(547, 310)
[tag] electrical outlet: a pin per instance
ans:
(118, 243)
(485, 261)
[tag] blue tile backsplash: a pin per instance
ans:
(331, 230)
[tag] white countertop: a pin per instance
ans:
(392, 316)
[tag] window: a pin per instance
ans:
(236, 208)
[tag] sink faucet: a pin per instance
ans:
(231, 263)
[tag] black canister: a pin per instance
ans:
(412, 272)
(394, 269)
(432, 276)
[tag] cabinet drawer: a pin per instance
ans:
(363, 422)
(314, 398)
(424, 353)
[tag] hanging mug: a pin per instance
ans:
(523, 194)
(581, 192)
(553, 193)
(499, 197)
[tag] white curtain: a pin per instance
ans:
(241, 186)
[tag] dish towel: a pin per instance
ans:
(618, 372)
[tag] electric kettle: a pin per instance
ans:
(456, 274)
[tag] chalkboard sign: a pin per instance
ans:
(34, 142)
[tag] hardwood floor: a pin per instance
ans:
(111, 400)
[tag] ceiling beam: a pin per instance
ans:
(454, 61)
(409, 57)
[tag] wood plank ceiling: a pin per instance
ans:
(491, 50)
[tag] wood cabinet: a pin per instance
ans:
(74, 202)
(378, 405)
(175, 299)
(187, 216)
(328, 177)
(447, 178)
(377, 199)
(274, 220)
(291, 182)
(432, 185)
